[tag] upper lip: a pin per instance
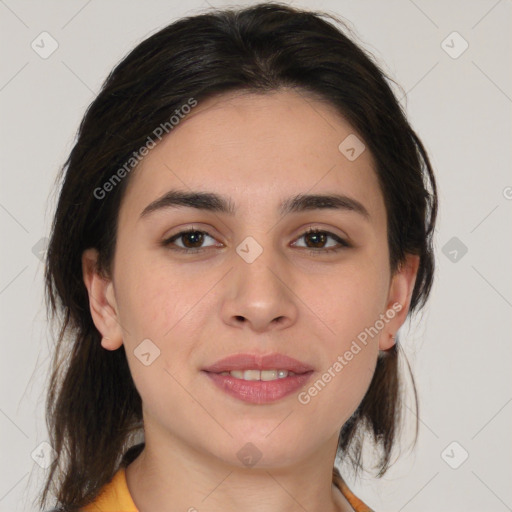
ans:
(273, 361)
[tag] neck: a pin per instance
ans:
(194, 481)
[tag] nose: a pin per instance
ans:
(259, 295)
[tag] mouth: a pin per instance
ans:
(259, 379)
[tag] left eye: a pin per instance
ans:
(316, 236)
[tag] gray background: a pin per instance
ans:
(460, 107)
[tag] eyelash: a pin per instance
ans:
(343, 243)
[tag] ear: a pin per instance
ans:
(102, 301)
(399, 299)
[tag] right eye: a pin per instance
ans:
(191, 240)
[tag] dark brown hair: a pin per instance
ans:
(94, 411)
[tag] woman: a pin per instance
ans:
(245, 222)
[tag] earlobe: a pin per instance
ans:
(101, 301)
(107, 344)
(387, 342)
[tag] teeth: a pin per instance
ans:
(264, 375)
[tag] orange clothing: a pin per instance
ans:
(115, 496)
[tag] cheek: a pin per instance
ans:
(349, 301)
(160, 304)
(335, 393)
(356, 298)
(157, 316)
(153, 297)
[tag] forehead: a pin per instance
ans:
(259, 149)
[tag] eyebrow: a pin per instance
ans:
(212, 202)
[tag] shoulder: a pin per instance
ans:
(354, 501)
(114, 496)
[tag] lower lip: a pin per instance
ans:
(257, 391)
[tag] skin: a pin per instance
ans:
(199, 308)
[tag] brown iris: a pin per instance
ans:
(318, 238)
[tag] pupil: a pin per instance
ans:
(196, 236)
(319, 237)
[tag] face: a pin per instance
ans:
(253, 281)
